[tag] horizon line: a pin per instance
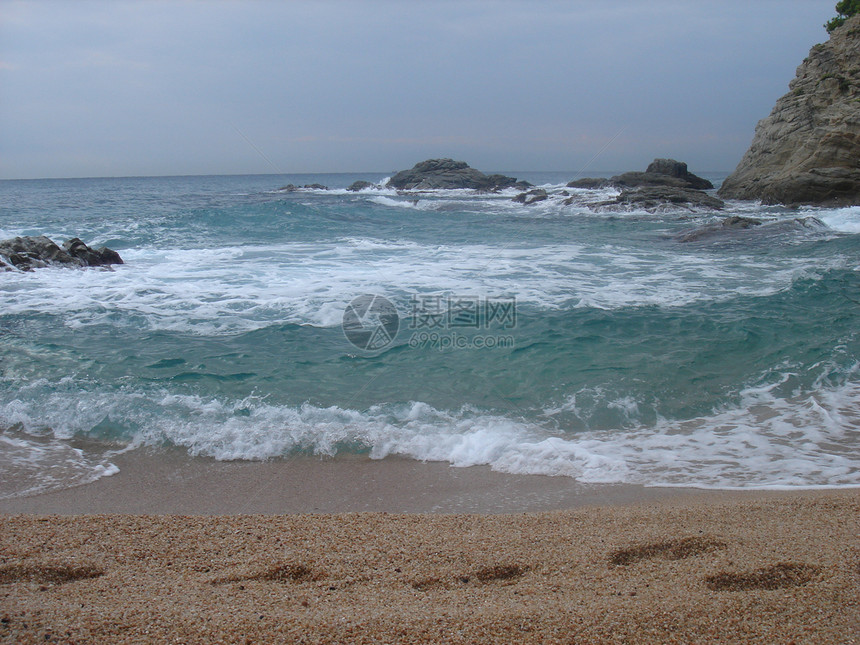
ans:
(282, 174)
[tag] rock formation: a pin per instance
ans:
(27, 253)
(678, 170)
(808, 150)
(435, 174)
(666, 183)
(660, 172)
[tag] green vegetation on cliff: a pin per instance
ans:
(845, 9)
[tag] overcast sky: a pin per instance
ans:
(120, 88)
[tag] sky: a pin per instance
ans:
(127, 88)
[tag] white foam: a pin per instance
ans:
(31, 465)
(415, 204)
(765, 442)
(238, 289)
(844, 220)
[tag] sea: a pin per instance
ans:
(254, 323)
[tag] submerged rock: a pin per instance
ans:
(446, 174)
(656, 198)
(27, 253)
(531, 197)
(737, 225)
(736, 221)
(808, 150)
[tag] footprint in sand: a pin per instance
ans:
(283, 573)
(47, 573)
(677, 549)
(500, 572)
(486, 575)
(779, 576)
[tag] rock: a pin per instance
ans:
(500, 182)
(26, 253)
(660, 172)
(655, 198)
(446, 174)
(678, 169)
(91, 257)
(531, 197)
(736, 221)
(291, 188)
(108, 256)
(359, 185)
(809, 222)
(808, 150)
(636, 179)
(590, 183)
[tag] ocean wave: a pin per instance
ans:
(767, 441)
(239, 289)
(844, 220)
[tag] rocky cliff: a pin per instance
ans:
(808, 150)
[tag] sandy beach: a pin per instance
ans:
(767, 567)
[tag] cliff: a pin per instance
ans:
(808, 150)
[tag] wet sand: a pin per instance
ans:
(159, 481)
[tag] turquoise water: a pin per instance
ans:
(627, 354)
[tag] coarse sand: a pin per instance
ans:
(768, 568)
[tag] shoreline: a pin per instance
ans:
(169, 481)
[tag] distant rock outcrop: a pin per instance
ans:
(291, 188)
(660, 172)
(435, 174)
(678, 170)
(359, 185)
(808, 150)
(27, 253)
(666, 183)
